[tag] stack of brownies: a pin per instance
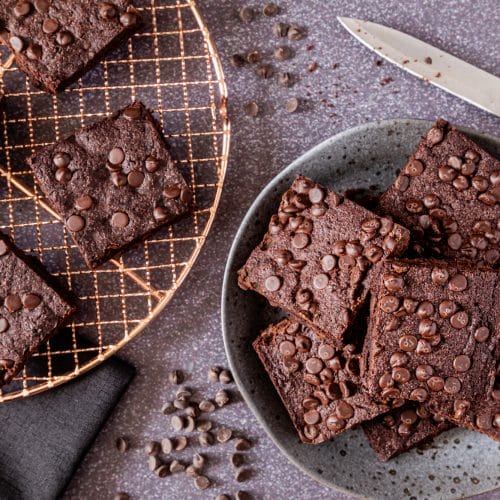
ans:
(394, 317)
(112, 184)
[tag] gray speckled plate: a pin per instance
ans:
(459, 463)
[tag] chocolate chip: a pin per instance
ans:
(435, 384)
(280, 30)
(488, 199)
(175, 377)
(295, 33)
(287, 348)
(320, 281)
(224, 434)
(107, 10)
(285, 79)
(300, 241)
(151, 164)
(247, 14)
(460, 183)
(22, 9)
(116, 156)
(264, 71)
(314, 365)
(176, 467)
(398, 359)
(459, 320)
(282, 53)
(83, 202)
(389, 303)
(132, 113)
(292, 105)
(482, 334)
(75, 223)
(4, 325)
(64, 38)
(414, 168)
(242, 444)
(201, 482)
(408, 343)
(237, 459)
(31, 301)
(452, 385)
(135, 178)
(119, 179)
(17, 44)
(121, 496)
(206, 406)
(458, 283)
(50, 26)
(480, 183)
(328, 263)
(393, 282)
(401, 375)
(402, 183)
(484, 422)
(419, 394)
(251, 109)
(206, 439)
(225, 377)
(424, 372)
(128, 19)
(439, 276)
(272, 283)
(344, 410)
(270, 10)
(152, 448)
(434, 136)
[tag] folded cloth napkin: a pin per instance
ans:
(43, 438)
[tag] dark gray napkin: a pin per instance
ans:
(43, 438)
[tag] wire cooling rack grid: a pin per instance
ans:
(173, 67)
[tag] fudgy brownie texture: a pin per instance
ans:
(56, 41)
(31, 310)
(315, 258)
(433, 333)
(112, 183)
(319, 384)
(402, 429)
(448, 195)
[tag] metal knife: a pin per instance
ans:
(447, 72)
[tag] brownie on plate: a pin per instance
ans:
(319, 384)
(448, 195)
(31, 310)
(433, 333)
(402, 429)
(57, 41)
(314, 260)
(112, 183)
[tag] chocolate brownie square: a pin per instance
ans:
(402, 429)
(319, 384)
(434, 331)
(113, 183)
(315, 258)
(57, 41)
(31, 310)
(447, 195)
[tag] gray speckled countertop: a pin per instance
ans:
(344, 91)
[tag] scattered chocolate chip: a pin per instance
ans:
(242, 444)
(152, 448)
(280, 30)
(175, 377)
(122, 444)
(264, 71)
(206, 439)
(167, 446)
(176, 467)
(270, 10)
(247, 14)
(237, 60)
(221, 398)
(237, 459)
(251, 109)
(295, 33)
(292, 105)
(202, 482)
(225, 377)
(224, 434)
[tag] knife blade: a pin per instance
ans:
(447, 72)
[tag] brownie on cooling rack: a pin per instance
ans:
(31, 309)
(113, 183)
(57, 41)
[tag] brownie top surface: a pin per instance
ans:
(57, 38)
(316, 255)
(448, 195)
(319, 384)
(433, 330)
(30, 309)
(402, 429)
(112, 183)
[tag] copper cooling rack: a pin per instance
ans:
(173, 67)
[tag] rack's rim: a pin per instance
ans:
(168, 295)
